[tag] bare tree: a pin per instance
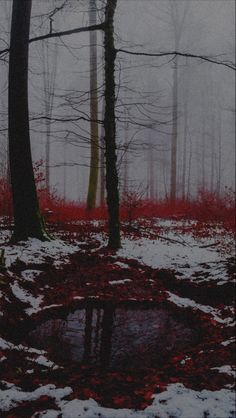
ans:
(49, 79)
(94, 157)
(110, 128)
(27, 217)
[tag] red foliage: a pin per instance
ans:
(207, 207)
(5, 201)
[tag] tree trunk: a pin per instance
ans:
(125, 185)
(49, 80)
(28, 220)
(174, 133)
(94, 157)
(185, 147)
(106, 336)
(102, 161)
(88, 333)
(219, 153)
(110, 128)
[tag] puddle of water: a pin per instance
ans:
(118, 337)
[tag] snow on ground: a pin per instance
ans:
(7, 345)
(12, 396)
(119, 281)
(226, 369)
(26, 297)
(35, 251)
(30, 274)
(189, 303)
(191, 257)
(177, 401)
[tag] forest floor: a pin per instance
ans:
(144, 332)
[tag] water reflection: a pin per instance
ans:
(115, 336)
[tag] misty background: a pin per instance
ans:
(59, 75)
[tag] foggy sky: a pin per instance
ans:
(140, 25)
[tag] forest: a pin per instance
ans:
(117, 209)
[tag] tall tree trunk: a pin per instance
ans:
(185, 148)
(219, 153)
(106, 335)
(125, 186)
(174, 133)
(88, 333)
(203, 182)
(28, 220)
(94, 157)
(189, 168)
(49, 80)
(212, 170)
(110, 128)
(178, 27)
(102, 161)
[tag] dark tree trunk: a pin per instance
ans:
(88, 334)
(106, 336)
(94, 139)
(110, 128)
(28, 221)
(174, 134)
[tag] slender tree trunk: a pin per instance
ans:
(88, 333)
(102, 161)
(106, 336)
(110, 128)
(212, 172)
(49, 80)
(174, 133)
(219, 154)
(203, 152)
(28, 220)
(185, 148)
(94, 157)
(189, 169)
(125, 187)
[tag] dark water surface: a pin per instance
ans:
(112, 336)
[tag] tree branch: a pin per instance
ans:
(59, 34)
(212, 60)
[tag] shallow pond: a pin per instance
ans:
(115, 336)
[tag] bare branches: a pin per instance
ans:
(67, 32)
(212, 60)
(100, 26)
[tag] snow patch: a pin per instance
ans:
(26, 297)
(189, 303)
(119, 281)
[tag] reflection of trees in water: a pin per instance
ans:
(112, 336)
(98, 335)
(106, 336)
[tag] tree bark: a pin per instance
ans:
(27, 217)
(94, 139)
(174, 134)
(110, 128)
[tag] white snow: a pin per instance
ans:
(30, 274)
(189, 303)
(226, 369)
(7, 345)
(35, 251)
(119, 281)
(188, 255)
(230, 341)
(122, 265)
(13, 396)
(27, 297)
(43, 361)
(177, 402)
